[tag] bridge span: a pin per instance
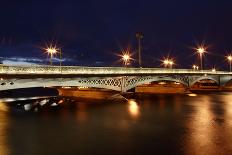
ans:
(113, 78)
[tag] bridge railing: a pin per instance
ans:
(81, 70)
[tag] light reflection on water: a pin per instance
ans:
(4, 123)
(81, 114)
(3, 107)
(193, 95)
(209, 131)
(133, 108)
(158, 124)
(201, 128)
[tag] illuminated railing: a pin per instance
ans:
(80, 70)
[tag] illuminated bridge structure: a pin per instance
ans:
(113, 78)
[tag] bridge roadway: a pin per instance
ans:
(80, 70)
(114, 78)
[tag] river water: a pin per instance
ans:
(191, 124)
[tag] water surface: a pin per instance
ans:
(157, 124)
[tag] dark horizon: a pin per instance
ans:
(90, 31)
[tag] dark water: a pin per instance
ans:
(158, 124)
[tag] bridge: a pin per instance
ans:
(113, 78)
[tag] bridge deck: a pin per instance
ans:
(99, 71)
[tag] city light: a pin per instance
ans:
(195, 67)
(171, 63)
(51, 51)
(213, 70)
(168, 63)
(126, 57)
(229, 58)
(201, 50)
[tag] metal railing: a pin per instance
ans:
(81, 70)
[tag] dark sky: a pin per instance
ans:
(94, 30)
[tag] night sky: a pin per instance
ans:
(91, 33)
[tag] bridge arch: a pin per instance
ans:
(105, 83)
(132, 83)
(228, 82)
(204, 78)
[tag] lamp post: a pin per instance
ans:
(139, 37)
(229, 59)
(171, 63)
(200, 51)
(51, 51)
(166, 62)
(126, 58)
(60, 57)
(195, 67)
(213, 69)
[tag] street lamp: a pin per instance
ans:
(168, 63)
(195, 67)
(213, 70)
(60, 57)
(51, 51)
(171, 63)
(200, 51)
(229, 59)
(139, 37)
(126, 58)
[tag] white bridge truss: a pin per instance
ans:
(118, 83)
(114, 78)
